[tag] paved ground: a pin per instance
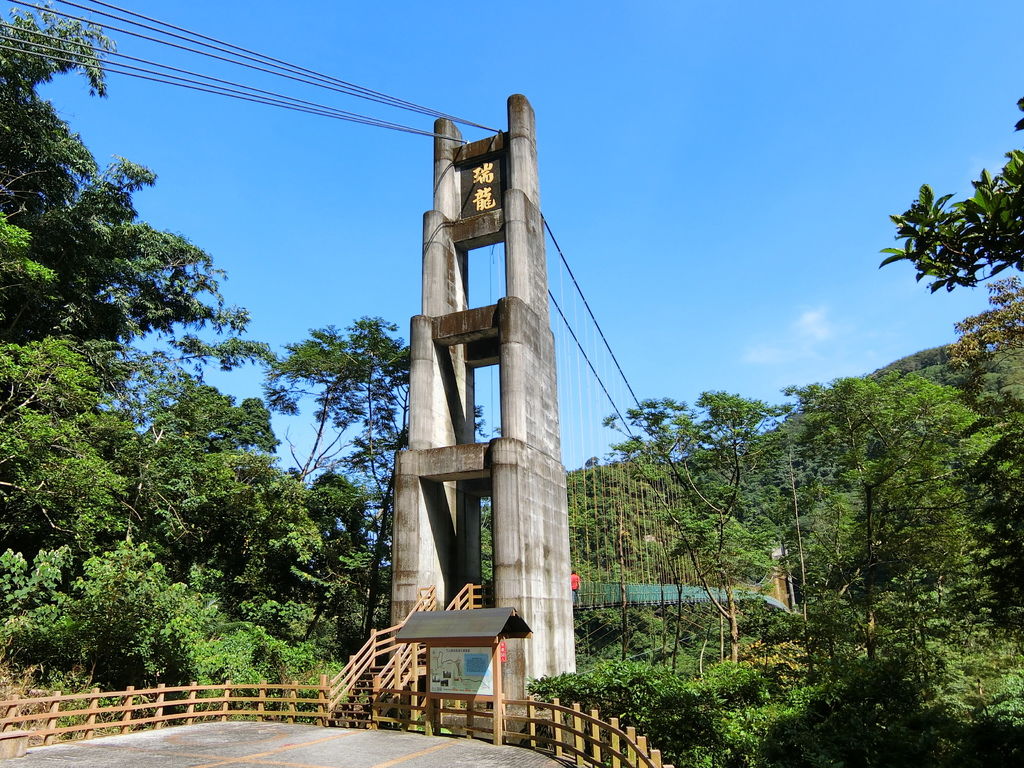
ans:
(210, 745)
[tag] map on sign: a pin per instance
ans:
(461, 670)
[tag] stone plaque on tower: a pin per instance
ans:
(481, 185)
(487, 192)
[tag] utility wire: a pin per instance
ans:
(290, 72)
(220, 91)
(276, 99)
(366, 92)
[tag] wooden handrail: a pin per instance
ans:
(397, 671)
(584, 735)
(103, 712)
(468, 598)
(361, 662)
(567, 732)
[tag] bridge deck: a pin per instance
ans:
(211, 745)
(609, 595)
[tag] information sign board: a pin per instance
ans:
(461, 670)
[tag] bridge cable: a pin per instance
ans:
(257, 95)
(220, 91)
(558, 248)
(302, 79)
(585, 357)
(357, 90)
(653, 561)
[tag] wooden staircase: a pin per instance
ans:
(383, 664)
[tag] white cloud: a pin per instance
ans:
(800, 341)
(813, 325)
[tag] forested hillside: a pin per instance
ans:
(891, 503)
(148, 532)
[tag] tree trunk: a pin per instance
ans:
(799, 542)
(679, 623)
(734, 627)
(870, 575)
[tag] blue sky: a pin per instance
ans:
(719, 175)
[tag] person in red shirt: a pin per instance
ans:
(574, 582)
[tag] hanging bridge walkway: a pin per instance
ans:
(614, 595)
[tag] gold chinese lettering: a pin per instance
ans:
(484, 174)
(483, 200)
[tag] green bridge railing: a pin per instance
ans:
(609, 594)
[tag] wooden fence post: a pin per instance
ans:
(498, 721)
(224, 704)
(13, 710)
(531, 727)
(641, 743)
(372, 704)
(577, 732)
(191, 707)
(321, 697)
(159, 711)
(261, 704)
(126, 704)
(94, 705)
(615, 744)
(630, 740)
(595, 736)
(51, 721)
(556, 729)
(291, 702)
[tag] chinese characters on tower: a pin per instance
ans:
(481, 187)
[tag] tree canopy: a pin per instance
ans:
(957, 243)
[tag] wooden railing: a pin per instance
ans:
(565, 732)
(103, 713)
(366, 662)
(410, 658)
(401, 661)
(470, 597)
(581, 737)
(390, 701)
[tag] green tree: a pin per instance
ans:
(723, 519)
(358, 384)
(57, 483)
(82, 266)
(963, 242)
(891, 535)
(993, 333)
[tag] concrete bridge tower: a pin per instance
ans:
(487, 192)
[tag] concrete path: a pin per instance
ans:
(241, 744)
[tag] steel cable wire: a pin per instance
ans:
(358, 90)
(318, 81)
(272, 97)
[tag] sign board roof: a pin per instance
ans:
(481, 623)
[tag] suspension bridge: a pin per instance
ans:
(549, 492)
(623, 539)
